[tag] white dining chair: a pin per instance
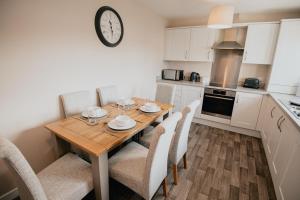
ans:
(144, 170)
(180, 141)
(165, 93)
(68, 178)
(75, 102)
(108, 94)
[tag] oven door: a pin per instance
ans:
(218, 105)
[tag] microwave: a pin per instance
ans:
(172, 74)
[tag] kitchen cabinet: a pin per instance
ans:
(189, 44)
(246, 110)
(281, 141)
(185, 95)
(177, 44)
(285, 72)
(202, 39)
(177, 99)
(260, 43)
(289, 185)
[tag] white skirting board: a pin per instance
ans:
(228, 127)
(14, 193)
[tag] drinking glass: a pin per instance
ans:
(91, 118)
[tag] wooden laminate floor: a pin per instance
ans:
(221, 165)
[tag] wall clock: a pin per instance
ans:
(109, 26)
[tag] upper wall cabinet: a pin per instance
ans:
(189, 44)
(177, 44)
(285, 73)
(202, 39)
(260, 43)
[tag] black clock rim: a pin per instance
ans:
(99, 13)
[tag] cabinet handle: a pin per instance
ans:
(280, 123)
(186, 54)
(272, 112)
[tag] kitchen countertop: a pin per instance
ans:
(200, 84)
(278, 97)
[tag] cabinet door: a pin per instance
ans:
(285, 73)
(178, 99)
(189, 94)
(202, 39)
(177, 44)
(246, 110)
(262, 115)
(289, 185)
(286, 145)
(260, 43)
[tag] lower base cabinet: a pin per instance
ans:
(185, 95)
(246, 110)
(281, 139)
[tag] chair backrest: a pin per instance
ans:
(108, 94)
(180, 140)
(75, 102)
(28, 183)
(157, 159)
(165, 93)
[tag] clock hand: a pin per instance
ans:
(112, 31)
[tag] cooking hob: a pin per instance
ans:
(293, 108)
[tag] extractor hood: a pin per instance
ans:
(228, 45)
(230, 40)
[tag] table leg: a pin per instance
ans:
(61, 147)
(100, 176)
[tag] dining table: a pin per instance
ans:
(98, 139)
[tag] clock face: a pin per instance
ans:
(109, 26)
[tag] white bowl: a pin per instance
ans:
(94, 112)
(125, 102)
(150, 106)
(122, 120)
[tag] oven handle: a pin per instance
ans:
(224, 98)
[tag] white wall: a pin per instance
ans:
(50, 47)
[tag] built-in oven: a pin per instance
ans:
(218, 102)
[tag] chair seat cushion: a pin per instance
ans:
(69, 177)
(145, 140)
(128, 166)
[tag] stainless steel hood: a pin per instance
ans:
(228, 45)
(228, 59)
(231, 39)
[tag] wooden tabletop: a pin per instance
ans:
(100, 138)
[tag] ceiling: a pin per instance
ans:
(174, 9)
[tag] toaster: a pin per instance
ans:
(251, 83)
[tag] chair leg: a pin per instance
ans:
(185, 161)
(165, 187)
(175, 174)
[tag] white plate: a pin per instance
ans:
(129, 102)
(99, 115)
(295, 100)
(157, 109)
(113, 125)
